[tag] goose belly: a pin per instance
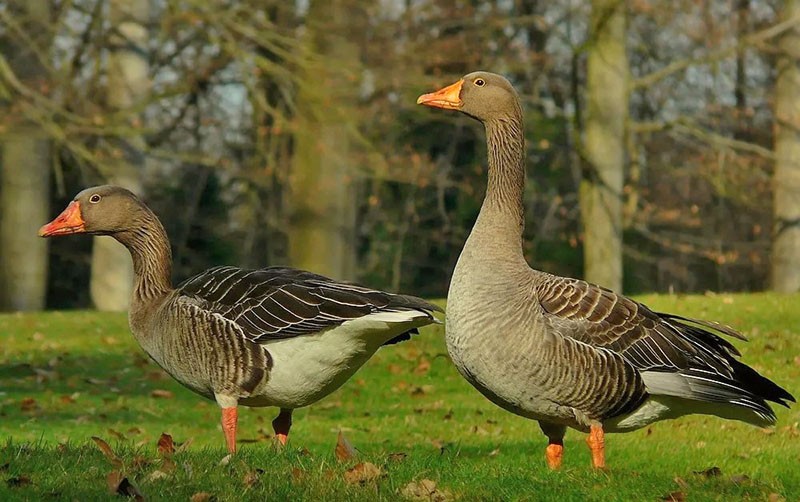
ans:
(307, 368)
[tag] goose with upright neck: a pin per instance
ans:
(562, 351)
(268, 337)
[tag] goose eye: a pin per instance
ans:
(94, 199)
(480, 82)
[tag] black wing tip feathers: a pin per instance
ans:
(743, 376)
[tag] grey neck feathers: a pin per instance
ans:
(152, 258)
(502, 213)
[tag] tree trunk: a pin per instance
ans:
(25, 173)
(604, 145)
(322, 236)
(786, 238)
(24, 188)
(112, 270)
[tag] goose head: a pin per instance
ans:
(100, 210)
(482, 95)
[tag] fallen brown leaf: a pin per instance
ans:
(28, 404)
(425, 489)
(344, 451)
(676, 496)
(711, 472)
(107, 451)
(116, 434)
(396, 369)
(423, 367)
(776, 497)
(119, 485)
(67, 399)
(18, 481)
(202, 497)
(362, 473)
(166, 447)
(397, 457)
(162, 394)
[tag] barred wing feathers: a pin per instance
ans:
(280, 302)
(661, 344)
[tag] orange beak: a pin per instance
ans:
(68, 222)
(448, 97)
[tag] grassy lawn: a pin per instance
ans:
(68, 376)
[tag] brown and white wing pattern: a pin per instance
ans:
(279, 302)
(661, 346)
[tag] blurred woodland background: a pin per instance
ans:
(663, 138)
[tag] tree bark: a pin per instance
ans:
(112, 270)
(785, 269)
(24, 188)
(604, 144)
(25, 174)
(322, 235)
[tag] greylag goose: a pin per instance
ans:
(562, 351)
(270, 337)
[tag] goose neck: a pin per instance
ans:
(149, 246)
(502, 211)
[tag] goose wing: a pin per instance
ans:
(278, 302)
(676, 355)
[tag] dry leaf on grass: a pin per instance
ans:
(711, 472)
(344, 450)
(676, 496)
(119, 485)
(28, 404)
(116, 434)
(423, 367)
(166, 447)
(107, 451)
(425, 489)
(162, 394)
(362, 473)
(776, 497)
(202, 497)
(396, 457)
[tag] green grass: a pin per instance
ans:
(65, 377)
